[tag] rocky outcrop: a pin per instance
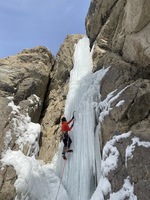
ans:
(23, 84)
(55, 100)
(121, 27)
(119, 36)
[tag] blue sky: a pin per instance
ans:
(30, 23)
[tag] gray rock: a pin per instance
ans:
(119, 35)
(121, 27)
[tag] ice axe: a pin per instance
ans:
(73, 116)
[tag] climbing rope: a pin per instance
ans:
(61, 179)
(62, 172)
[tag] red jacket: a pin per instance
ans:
(65, 127)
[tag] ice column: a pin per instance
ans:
(82, 166)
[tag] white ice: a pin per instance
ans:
(83, 166)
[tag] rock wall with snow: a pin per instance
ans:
(23, 85)
(119, 35)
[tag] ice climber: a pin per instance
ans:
(65, 136)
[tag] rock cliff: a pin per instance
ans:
(24, 79)
(119, 35)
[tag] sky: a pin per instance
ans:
(30, 23)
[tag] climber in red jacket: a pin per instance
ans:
(65, 136)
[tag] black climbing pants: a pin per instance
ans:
(67, 142)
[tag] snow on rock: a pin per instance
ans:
(120, 103)
(25, 131)
(105, 105)
(130, 148)
(15, 109)
(125, 192)
(35, 181)
(108, 163)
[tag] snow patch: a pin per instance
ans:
(25, 131)
(15, 109)
(127, 191)
(120, 103)
(130, 148)
(105, 105)
(108, 163)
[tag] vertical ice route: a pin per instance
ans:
(83, 166)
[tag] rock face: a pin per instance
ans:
(55, 101)
(119, 33)
(122, 27)
(23, 84)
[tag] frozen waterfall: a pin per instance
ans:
(82, 169)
